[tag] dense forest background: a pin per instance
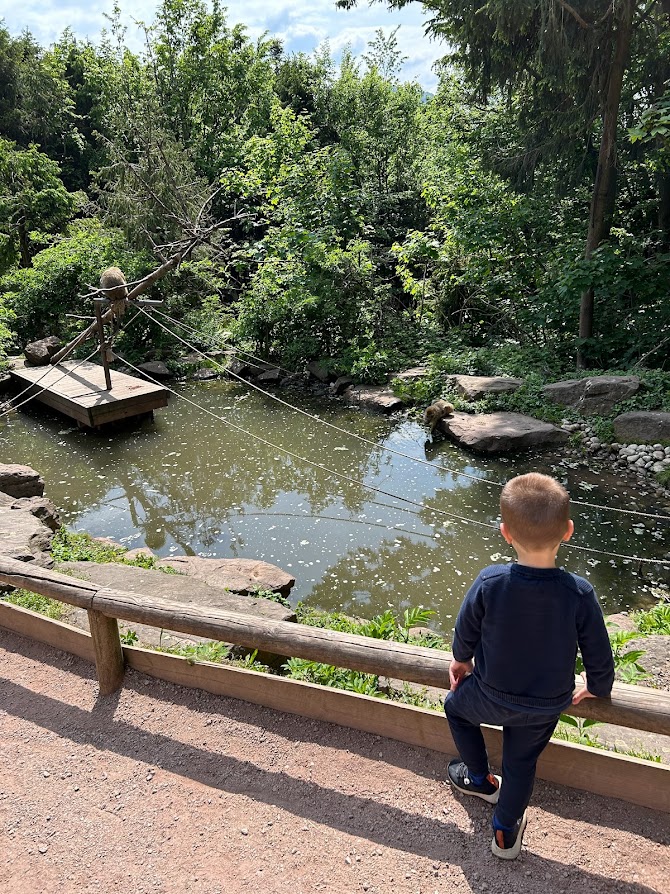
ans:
(351, 216)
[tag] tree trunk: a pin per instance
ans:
(26, 259)
(604, 187)
(663, 176)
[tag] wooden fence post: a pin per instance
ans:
(109, 660)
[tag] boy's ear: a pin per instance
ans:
(505, 532)
(570, 531)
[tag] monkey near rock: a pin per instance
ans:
(112, 278)
(436, 412)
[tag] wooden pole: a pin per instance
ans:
(109, 662)
(637, 707)
(103, 345)
(141, 287)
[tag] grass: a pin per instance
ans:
(36, 603)
(70, 547)
(565, 732)
(654, 620)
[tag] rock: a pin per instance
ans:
(475, 387)
(500, 432)
(240, 368)
(294, 380)
(177, 588)
(643, 426)
(319, 371)
(137, 553)
(204, 374)
(412, 375)
(39, 353)
(236, 575)
(383, 400)
(592, 396)
(23, 536)
(42, 508)
(155, 369)
(20, 481)
(270, 377)
(339, 386)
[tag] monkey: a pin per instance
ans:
(435, 413)
(109, 279)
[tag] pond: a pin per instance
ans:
(190, 483)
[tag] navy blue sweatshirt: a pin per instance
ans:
(523, 626)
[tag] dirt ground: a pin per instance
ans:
(169, 790)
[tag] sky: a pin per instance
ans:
(301, 24)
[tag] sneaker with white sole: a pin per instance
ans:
(506, 844)
(459, 777)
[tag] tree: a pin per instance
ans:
(32, 197)
(568, 67)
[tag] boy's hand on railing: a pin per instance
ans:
(458, 670)
(582, 692)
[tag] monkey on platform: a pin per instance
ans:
(435, 413)
(112, 278)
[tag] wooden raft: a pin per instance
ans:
(78, 390)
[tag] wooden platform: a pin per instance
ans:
(78, 390)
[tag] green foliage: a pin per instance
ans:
(270, 595)
(70, 547)
(129, 637)
(654, 620)
(32, 198)
(36, 603)
(338, 678)
(41, 295)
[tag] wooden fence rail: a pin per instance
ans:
(632, 706)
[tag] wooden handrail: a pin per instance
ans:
(632, 706)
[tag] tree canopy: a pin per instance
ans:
(524, 207)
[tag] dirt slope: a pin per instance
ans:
(168, 790)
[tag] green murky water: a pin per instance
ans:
(190, 484)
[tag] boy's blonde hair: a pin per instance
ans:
(536, 510)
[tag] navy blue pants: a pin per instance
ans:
(524, 738)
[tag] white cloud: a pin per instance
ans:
(301, 24)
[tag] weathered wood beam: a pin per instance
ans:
(633, 706)
(109, 663)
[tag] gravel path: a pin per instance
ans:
(164, 789)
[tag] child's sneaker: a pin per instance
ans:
(459, 777)
(507, 844)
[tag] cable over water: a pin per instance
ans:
(320, 420)
(344, 477)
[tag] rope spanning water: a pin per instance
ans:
(351, 480)
(364, 440)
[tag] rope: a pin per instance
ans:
(344, 477)
(364, 440)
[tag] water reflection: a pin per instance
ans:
(190, 484)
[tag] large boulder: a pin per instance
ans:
(594, 396)
(42, 508)
(319, 370)
(241, 576)
(382, 400)
(501, 432)
(155, 369)
(270, 376)
(39, 353)
(180, 587)
(20, 481)
(642, 427)
(476, 387)
(23, 536)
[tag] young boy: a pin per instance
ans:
(522, 623)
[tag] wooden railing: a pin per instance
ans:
(636, 707)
